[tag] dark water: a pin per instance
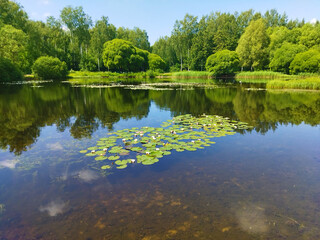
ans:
(262, 183)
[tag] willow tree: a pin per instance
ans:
(253, 45)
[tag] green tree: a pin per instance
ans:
(284, 56)
(49, 68)
(310, 35)
(308, 61)
(182, 35)
(156, 62)
(164, 48)
(138, 37)
(224, 62)
(253, 45)
(122, 56)
(102, 32)
(78, 23)
(274, 19)
(9, 71)
(13, 45)
(11, 13)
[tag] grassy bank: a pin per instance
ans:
(190, 74)
(262, 75)
(306, 83)
(112, 75)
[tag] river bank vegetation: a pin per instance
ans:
(248, 44)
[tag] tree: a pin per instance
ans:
(122, 56)
(253, 44)
(308, 61)
(156, 62)
(284, 56)
(310, 35)
(138, 37)
(11, 13)
(13, 45)
(49, 68)
(224, 62)
(182, 35)
(78, 23)
(274, 19)
(164, 48)
(9, 71)
(102, 32)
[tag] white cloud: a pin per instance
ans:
(313, 21)
(87, 175)
(8, 163)
(47, 14)
(54, 146)
(45, 2)
(53, 208)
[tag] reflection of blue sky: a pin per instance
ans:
(158, 17)
(8, 163)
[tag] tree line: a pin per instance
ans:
(261, 41)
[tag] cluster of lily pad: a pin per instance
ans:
(147, 144)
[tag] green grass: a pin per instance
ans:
(307, 83)
(263, 74)
(112, 75)
(191, 74)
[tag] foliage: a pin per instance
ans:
(223, 62)
(307, 83)
(253, 44)
(262, 74)
(308, 61)
(49, 68)
(156, 62)
(138, 37)
(284, 55)
(13, 45)
(9, 71)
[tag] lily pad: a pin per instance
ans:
(105, 167)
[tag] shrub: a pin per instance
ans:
(223, 62)
(156, 62)
(9, 71)
(308, 61)
(49, 68)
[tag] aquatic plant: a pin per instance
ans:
(147, 145)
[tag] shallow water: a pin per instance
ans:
(262, 183)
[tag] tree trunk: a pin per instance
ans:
(98, 64)
(181, 62)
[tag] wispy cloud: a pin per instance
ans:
(53, 208)
(8, 163)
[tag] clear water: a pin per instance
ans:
(258, 184)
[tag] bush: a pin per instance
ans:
(49, 68)
(308, 61)
(284, 55)
(9, 71)
(156, 62)
(223, 62)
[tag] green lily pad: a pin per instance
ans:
(83, 151)
(122, 166)
(113, 158)
(100, 158)
(105, 167)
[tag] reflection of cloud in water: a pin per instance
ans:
(53, 208)
(252, 219)
(8, 163)
(54, 146)
(87, 175)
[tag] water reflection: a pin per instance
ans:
(82, 111)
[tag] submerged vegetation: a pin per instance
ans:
(147, 144)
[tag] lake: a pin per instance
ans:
(260, 183)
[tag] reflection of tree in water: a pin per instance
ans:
(83, 110)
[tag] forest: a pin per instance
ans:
(251, 40)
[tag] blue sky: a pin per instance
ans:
(157, 17)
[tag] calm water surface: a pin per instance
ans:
(262, 183)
